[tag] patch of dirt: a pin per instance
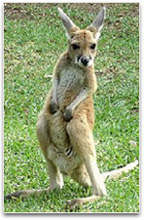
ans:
(88, 7)
(31, 10)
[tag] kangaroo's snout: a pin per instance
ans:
(84, 60)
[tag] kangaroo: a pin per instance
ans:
(65, 124)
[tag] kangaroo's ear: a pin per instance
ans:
(68, 24)
(97, 24)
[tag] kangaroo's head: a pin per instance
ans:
(82, 43)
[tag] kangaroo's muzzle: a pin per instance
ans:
(84, 60)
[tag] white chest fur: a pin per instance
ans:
(70, 82)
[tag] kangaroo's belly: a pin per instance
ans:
(67, 161)
(57, 129)
(60, 151)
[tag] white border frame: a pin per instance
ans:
(141, 114)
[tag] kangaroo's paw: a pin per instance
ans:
(72, 205)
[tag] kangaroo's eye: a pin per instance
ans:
(75, 46)
(93, 46)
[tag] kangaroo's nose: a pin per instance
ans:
(84, 61)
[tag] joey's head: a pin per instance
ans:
(82, 43)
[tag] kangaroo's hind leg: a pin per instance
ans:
(81, 138)
(56, 179)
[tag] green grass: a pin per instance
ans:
(34, 39)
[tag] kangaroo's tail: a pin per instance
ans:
(114, 174)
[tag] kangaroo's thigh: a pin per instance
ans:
(81, 136)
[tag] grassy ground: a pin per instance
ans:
(34, 38)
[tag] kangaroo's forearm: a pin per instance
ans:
(84, 93)
(90, 86)
(54, 90)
